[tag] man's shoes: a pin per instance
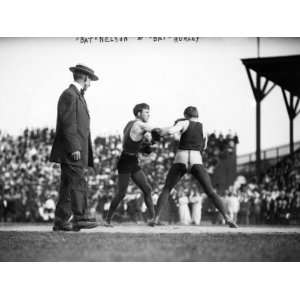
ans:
(231, 224)
(151, 223)
(84, 223)
(107, 223)
(155, 222)
(64, 225)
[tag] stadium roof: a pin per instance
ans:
(284, 71)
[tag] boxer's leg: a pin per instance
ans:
(122, 188)
(141, 181)
(175, 174)
(201, 175)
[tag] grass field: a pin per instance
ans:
(140, 243)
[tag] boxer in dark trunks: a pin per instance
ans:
(135, 133)
(189, 159)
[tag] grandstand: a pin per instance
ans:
(270, 156)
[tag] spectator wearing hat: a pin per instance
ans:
(72, 149)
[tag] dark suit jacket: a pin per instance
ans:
(72, 130)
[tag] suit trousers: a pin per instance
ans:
(72, 193)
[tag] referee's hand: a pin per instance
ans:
(76, 155)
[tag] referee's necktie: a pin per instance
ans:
(82, 96)
(82, 91)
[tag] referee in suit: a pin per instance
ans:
(72, 149)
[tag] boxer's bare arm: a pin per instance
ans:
(179, 127)
(138, 130)
(205, 136)
(144, 126)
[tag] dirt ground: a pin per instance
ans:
(131, 242)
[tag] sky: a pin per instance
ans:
(168, 75)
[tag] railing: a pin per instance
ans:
(274, 153)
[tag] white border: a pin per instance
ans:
(149, 18)
(149, 280)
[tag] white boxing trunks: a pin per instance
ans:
(188, 158)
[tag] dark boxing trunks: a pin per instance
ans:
(128, 163)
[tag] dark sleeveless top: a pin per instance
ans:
(130, 146)
(192, 138)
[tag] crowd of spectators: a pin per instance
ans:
(29, 183)
(275, 201)
(27, 180)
